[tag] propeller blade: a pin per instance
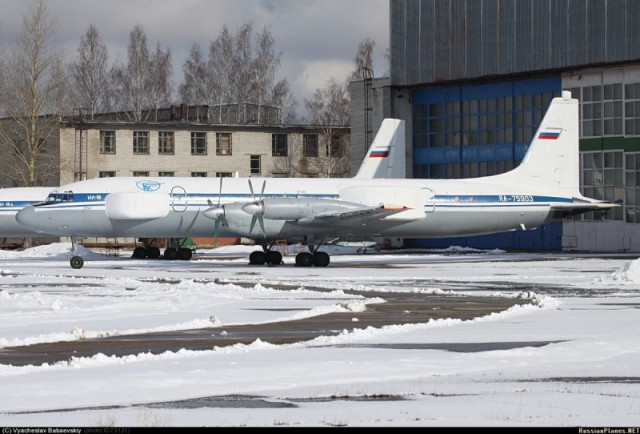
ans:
(261, 221)
(253, 222)
(215, 233)
(251, 188)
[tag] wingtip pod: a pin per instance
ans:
(385, 158)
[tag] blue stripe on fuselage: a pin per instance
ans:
(204, 199)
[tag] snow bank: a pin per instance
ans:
(629, 272)
(48, 251)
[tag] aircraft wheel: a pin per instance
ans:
(304, 259)
(76, 262)
(257, 257)
(171, 253)
(153, 253)
(139, 253)
(321, 259)
(184, 254)
(274, 257)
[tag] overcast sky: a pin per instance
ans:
(318, 38)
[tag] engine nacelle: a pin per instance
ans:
(292, 208)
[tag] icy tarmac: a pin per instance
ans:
(566, 353)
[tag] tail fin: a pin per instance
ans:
(386, 156)
(552, 160)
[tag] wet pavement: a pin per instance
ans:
(399, 308)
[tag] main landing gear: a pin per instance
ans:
(170, 253)
(265, 256)
(314, 257)
(303, 259)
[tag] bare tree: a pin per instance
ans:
(240, 72)
(363, 59)
(243, 79)
(32, 96)
(265, 65)
(144, 81)
(282, 97)
(90, 77)
(329, 108)
(161, 69)
(193, 89)
(220, 71)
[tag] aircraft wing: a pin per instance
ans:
(353, 217)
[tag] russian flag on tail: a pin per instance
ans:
(549, 135)
(379, 153)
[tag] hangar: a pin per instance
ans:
(473, 79)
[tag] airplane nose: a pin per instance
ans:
(28, 218)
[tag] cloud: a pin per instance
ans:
(318, 38)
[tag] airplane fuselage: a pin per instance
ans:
(174, 207)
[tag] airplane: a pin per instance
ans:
(13, 200)
(315, 212)
(388, 160)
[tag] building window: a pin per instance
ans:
(632, 187)
(141, 142)
(224, 174)
(107, 142)
(335, 147)
(483, 136)
(632, 109)
(310, 145)
(166, 174)
(198, 143)
(279, 145)
(255, 164)
(603, 179)
(107, 174)
(612, 109)
(198, 174)
(223, 144)
(602, 110)
(166, 143)
(140, 174)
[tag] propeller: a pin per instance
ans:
(216, 213)
(255, 209)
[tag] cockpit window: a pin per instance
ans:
(66, 196)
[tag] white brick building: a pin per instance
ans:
(102, 148)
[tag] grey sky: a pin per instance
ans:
(318, 38)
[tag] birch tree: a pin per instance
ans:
(363, 59)
(90, 76)
(32, 96)
(160, 71)
(329, 108)
(193, 89)
(144, 81)
(240, 71)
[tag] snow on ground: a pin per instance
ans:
(569, 359)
